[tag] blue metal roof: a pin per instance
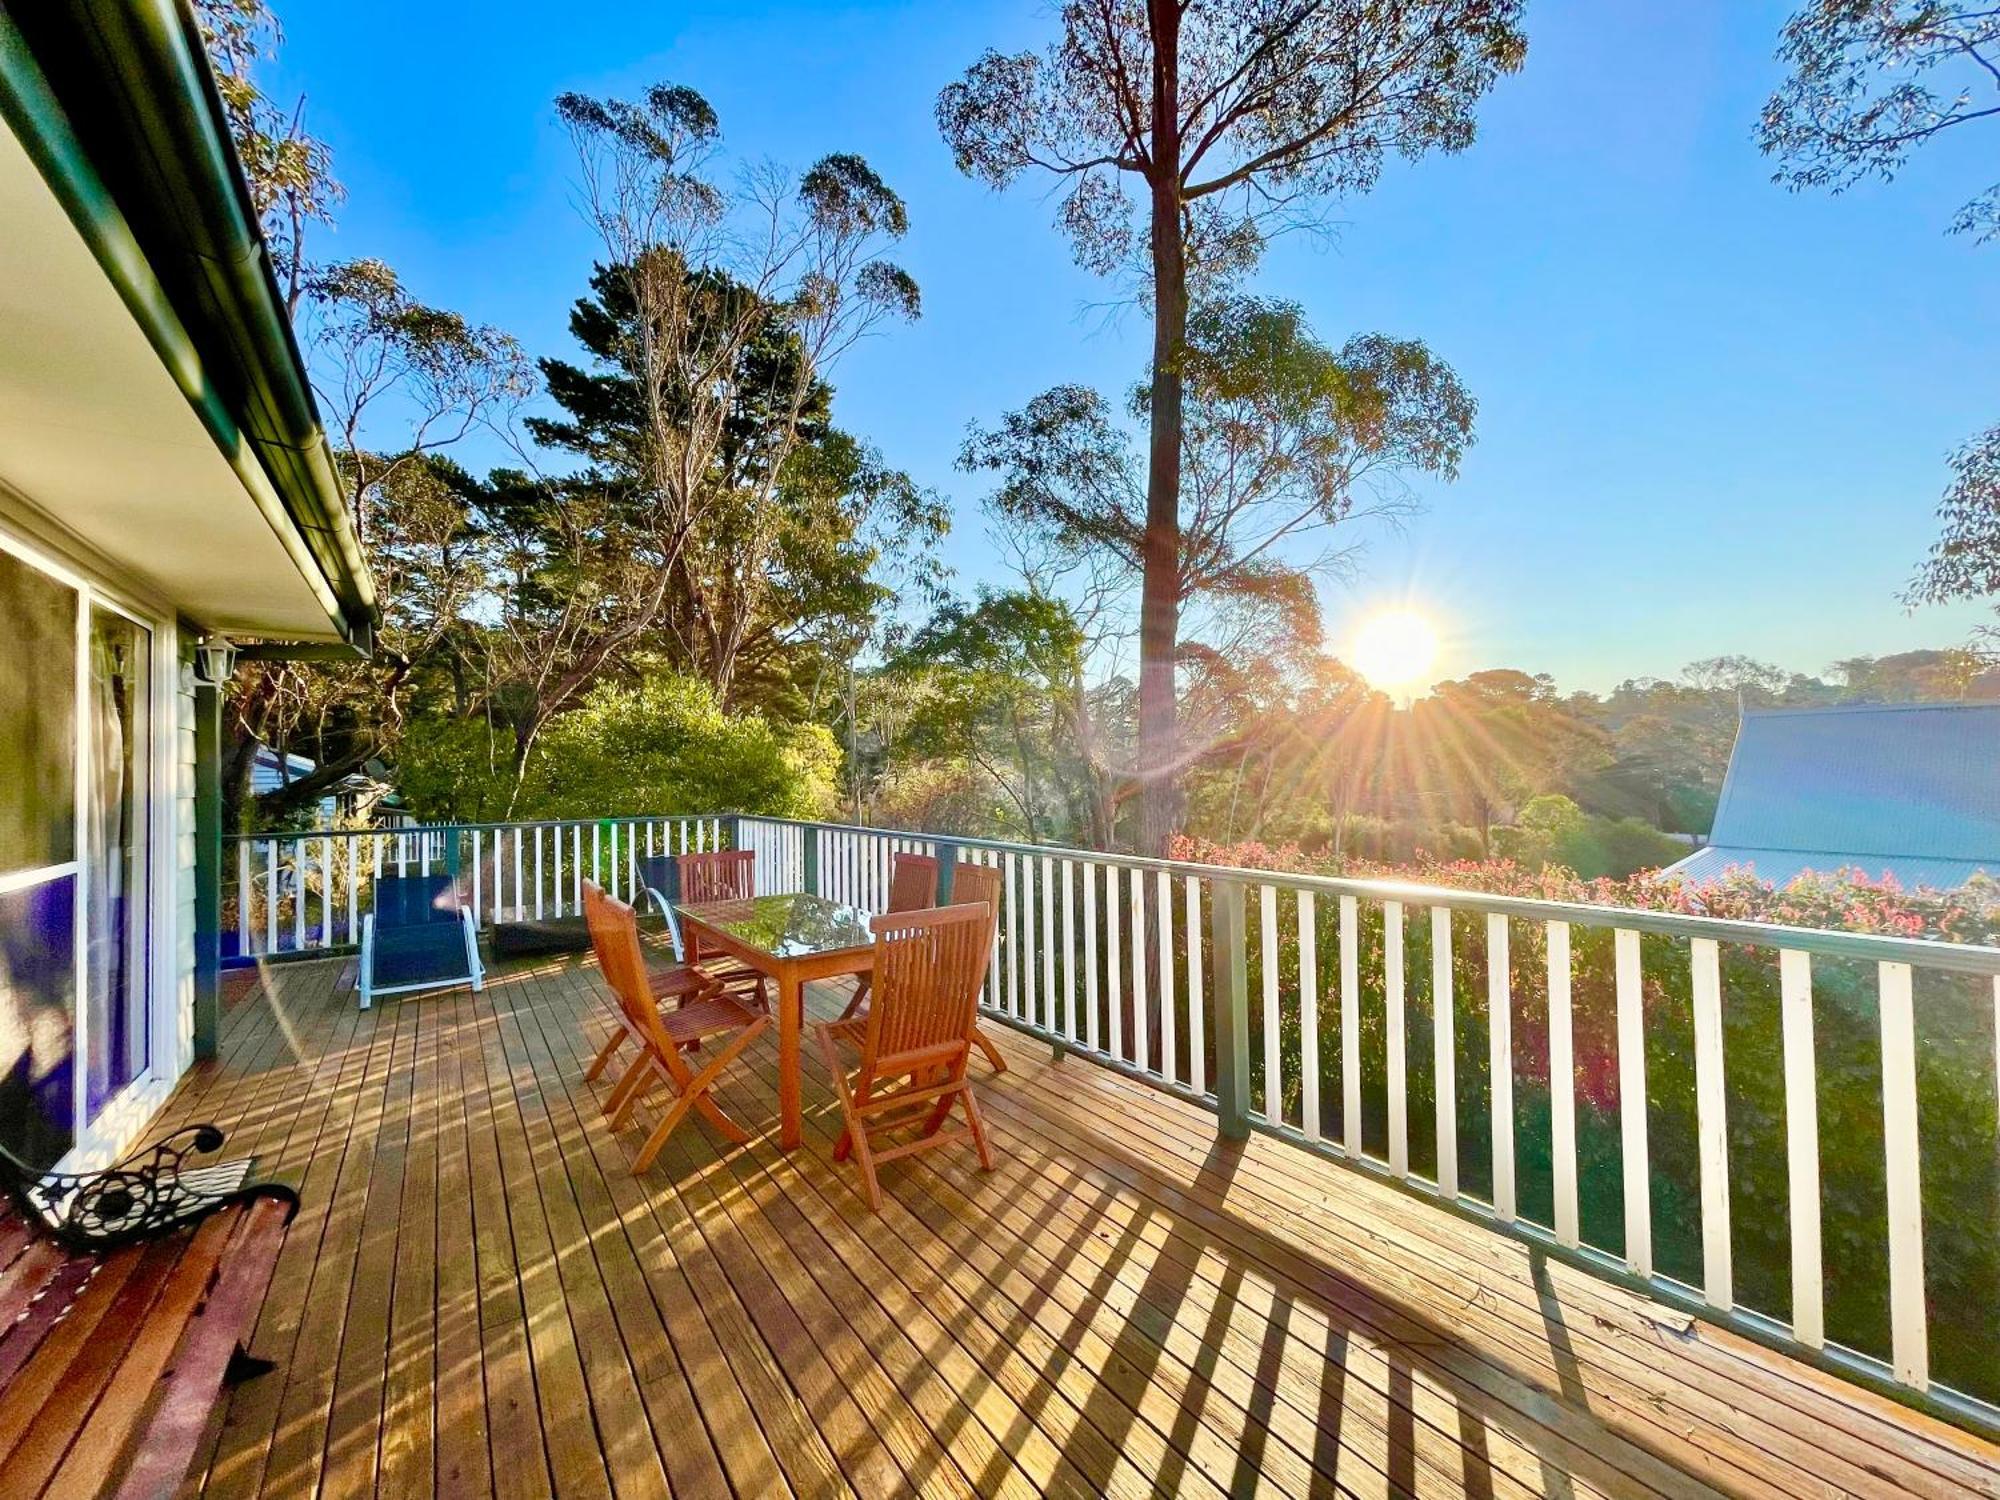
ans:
(1910, 790)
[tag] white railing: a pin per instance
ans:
(1575, 1074)
(1695, 1105)
(289, 894)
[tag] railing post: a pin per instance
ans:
(732, 829)
(947, 858)
(809, 850)
(1230, 1016)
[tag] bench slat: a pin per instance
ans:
(192, 1385)
(155, 1300)
(29, 1391)
(44, 1301)
(122, 1401)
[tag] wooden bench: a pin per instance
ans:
(125, 1299)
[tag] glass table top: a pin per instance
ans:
(786, 926)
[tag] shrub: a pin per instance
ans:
(663, 746)
(666, 746)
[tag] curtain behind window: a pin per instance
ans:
(116, 809)
(38, 880)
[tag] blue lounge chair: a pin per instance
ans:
(660, 878)
(420, 936)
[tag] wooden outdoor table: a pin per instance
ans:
(791, 940)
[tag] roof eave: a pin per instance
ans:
(153, 185)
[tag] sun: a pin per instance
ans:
(1395, 650)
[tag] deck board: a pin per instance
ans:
(479, 1298)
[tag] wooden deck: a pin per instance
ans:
(479, 1298)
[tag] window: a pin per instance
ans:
(38, 867)
(77, 767)
(117, 817)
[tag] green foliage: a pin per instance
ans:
(451, 770)
(666, 746)
(662, 745)
(1871, 80)
(1552, 830)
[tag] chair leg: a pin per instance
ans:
(692, 1092)
(857, 1135)
(624, 1097)
(939, 1111)
(603, 1059)
(858, 998)
(978, 1127)
(985, 1044)
(676, 1112)
(843, 1095)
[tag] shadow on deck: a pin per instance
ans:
(479, 1298)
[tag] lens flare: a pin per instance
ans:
(1395, 650)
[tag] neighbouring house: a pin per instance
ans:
(167, 497)
(1911, 791)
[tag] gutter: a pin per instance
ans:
(118, 108)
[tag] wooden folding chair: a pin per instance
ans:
(914, 1042)
(677, 982)
(614, 931)
(717, 875)
(913, 882)
(970, 883)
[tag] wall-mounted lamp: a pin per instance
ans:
(215, 661)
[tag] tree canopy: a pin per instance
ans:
(1183, 134)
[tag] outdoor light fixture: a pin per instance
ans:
(214, 661)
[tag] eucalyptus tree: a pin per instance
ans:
(287, 168)
(383, 363)
(1001, 687)
(741, 292)
(398, 381)
(1185, 133)
(1870, 82)
(1286, 443)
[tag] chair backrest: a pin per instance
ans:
(970, 882)
(913, 880)
(928, 969)
(614, 937)
(414, 900)
(718, 875)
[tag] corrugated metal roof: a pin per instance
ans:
(1908, 789)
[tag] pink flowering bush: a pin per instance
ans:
(1846, 901)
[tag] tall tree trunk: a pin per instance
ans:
(1159, 599)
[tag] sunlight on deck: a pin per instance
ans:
(480, 1298)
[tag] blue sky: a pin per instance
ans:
(1713, 415)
